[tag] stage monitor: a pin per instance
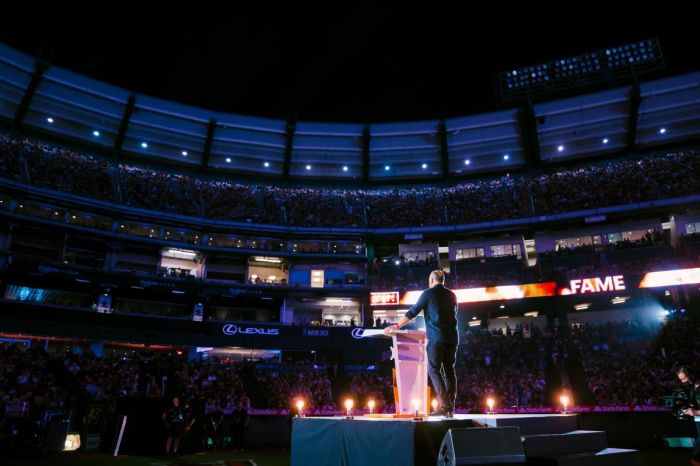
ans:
(493, 445)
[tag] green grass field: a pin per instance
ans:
(259, 457)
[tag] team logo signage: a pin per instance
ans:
(233, 329)
(357, 333)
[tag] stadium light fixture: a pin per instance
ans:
(345, 168)
(605, 141)
(96, 133)
(387, 168)
(228, 159)
(607, 65)
(506, 157)
(424, 166)
(467, 162)
(184, 153)
(266, 164)
(308, 167)
(662, 131)
(50, 120)
(560, 149)
(144, 145)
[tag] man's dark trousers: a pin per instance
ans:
(441, 369)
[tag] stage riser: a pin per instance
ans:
(531, 425)
(607, 457)
(578, 441)
(549, 440)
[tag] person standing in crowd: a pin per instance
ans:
(174, 419)
(216, 420)
(239, 424)
(439, 305)
(692, 387)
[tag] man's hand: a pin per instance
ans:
(391, 329)
(691, 412)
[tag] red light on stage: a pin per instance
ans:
(348, 408)
(564, 400)
(371, 404)
(300, 408)
(490, 402)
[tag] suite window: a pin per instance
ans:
(469, 253)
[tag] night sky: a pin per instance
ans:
(366, 61)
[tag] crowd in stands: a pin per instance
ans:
(601, 265)
(624, 363)
(567, 189)
(631, 363)
(376, 386)
(282, 389)
(506, 367)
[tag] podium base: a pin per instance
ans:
(409, 416)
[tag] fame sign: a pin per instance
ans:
(595, 285)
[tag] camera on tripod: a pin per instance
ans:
(682, 399)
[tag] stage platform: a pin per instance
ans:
(366, 441)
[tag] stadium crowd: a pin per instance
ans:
(505, 197)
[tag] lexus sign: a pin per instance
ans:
(233, 329)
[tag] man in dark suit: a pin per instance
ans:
(439, 305)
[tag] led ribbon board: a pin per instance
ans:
(671, 278)
(494, 293)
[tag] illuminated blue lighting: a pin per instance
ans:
(49, 119)
(184, 153)
(424, 166)
(144, 145)
(605, 141)
(387, 168)
(308, 167)
(560, 149)
(467, 162)
(228, 159)
(662, 131)
(345, 168)
(506, 157)
(267, 164)
(96, 133)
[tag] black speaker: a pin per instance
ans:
(57, 426)
(491, 445)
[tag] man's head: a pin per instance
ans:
(684, 374)
(437, 277)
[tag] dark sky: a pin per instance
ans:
(365, 61)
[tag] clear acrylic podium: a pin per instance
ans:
(410, 371)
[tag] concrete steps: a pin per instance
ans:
(605, 457)
(577, 441)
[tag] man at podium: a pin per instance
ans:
(439, 306)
